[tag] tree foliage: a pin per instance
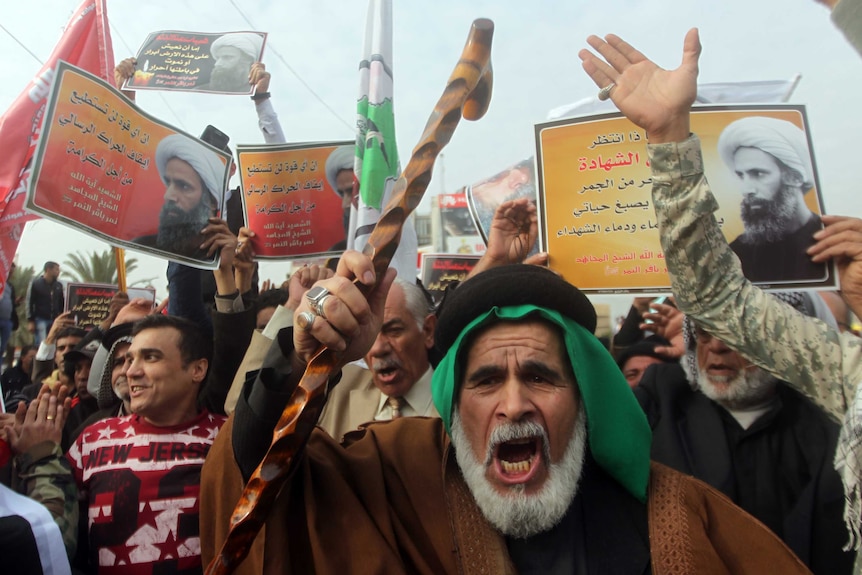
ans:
(96, 267)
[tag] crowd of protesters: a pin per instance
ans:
(718, 431)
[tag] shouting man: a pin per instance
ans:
(547, 468)
(400, 372)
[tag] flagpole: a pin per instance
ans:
(467, 93)
(120, 257)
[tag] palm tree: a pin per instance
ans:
(96, 267)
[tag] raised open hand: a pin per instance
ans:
(513, 233)
(655, 99)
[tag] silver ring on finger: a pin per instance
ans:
(321, 304)
(305, 320)
(315, 297)
(605, 92)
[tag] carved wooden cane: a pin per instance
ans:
(467, 94)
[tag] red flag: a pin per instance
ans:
(86, 43)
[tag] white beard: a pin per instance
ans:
(750, 388)
(517, 514)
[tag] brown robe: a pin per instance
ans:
(392, 500)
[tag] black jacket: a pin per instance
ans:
(45, 301)
(785, 458)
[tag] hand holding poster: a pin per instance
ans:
(196, 61)
(290, 201)
(114, 172)
(598, 222)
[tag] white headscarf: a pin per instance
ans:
(205, 162)
(247, 42)
(779, 138)
(341, 158)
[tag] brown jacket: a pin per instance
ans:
(392, 500)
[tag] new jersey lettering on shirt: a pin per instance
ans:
(142, 484)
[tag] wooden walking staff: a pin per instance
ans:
(467, 94)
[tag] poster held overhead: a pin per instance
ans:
(289, 201)
(595, 206)
(114, 172)
(217, 63)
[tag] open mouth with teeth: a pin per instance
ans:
(136, 389)
(518, 461)
(387, 372)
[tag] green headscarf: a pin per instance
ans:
(618, 432)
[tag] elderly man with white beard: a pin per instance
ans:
(772, 164)
(547, 470)
(194, 193)
(754, 438)
(234, 54)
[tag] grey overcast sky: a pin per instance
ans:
(535, 64)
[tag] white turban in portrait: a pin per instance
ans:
(205, 162)
(779, 138)
(341, 158)
(247, 42)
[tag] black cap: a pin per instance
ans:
(510, 285)
(81, 351)
(645, 347)
(115, 333)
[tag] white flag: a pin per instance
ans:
(765, 92)
(377, 166)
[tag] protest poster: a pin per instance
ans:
(483, 198)
(597, 217)
(437, 271)
(101, 167)
(289, 203)
(197, 62)
(90, 303)
(459, 233)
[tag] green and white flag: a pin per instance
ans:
(377, 165)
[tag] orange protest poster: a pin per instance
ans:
(112, 171)
(289, 202)
(597, 217)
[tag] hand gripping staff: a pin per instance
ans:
(467, 94)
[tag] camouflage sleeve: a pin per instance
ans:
(847, 16)
(45, 476)
(709, 286)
